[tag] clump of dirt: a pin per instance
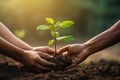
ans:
(61, 62)
(102, 70)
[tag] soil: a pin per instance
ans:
(60, 61)
(102, 70)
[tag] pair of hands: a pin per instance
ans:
(76, 52)
(35, 58)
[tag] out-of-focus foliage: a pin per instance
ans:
(20, 33)
(90, 16)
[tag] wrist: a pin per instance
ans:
(86, 49)
(20, 56)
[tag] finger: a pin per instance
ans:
(45, 62)
(71, 66)
(74, 63)
(42, 67)
(45, 49)
(50, 50)
(46, 56)
(63, 49)
(65, 54)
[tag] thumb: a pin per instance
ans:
(63, 49)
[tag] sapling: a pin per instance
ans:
(53, 27)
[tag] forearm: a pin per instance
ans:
(105, 39)
(10, 37)
(11, 51)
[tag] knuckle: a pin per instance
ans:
(68, 46)
(34, 58)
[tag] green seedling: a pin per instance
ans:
(53, 27)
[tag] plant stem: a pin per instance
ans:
(55, 55)
(55, 45)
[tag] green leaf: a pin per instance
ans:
(66, 24)
(20, 33)
(50, 42)
(58, 23)
(55, 34)
(43, 27)
(50, 20)
(66, 38)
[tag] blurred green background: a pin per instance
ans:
(90, 16)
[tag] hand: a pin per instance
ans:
(35, 59)
(76, 52)
(44, 49)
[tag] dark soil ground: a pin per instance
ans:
(102, 70)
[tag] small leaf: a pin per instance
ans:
(55, 34)
(50, 42)
(66, 24)
(20, 33)
(58, 23)
(43, 27)
(50, 20)
(66, 38)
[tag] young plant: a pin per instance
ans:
(53, 27)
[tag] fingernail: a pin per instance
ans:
(51, 56)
